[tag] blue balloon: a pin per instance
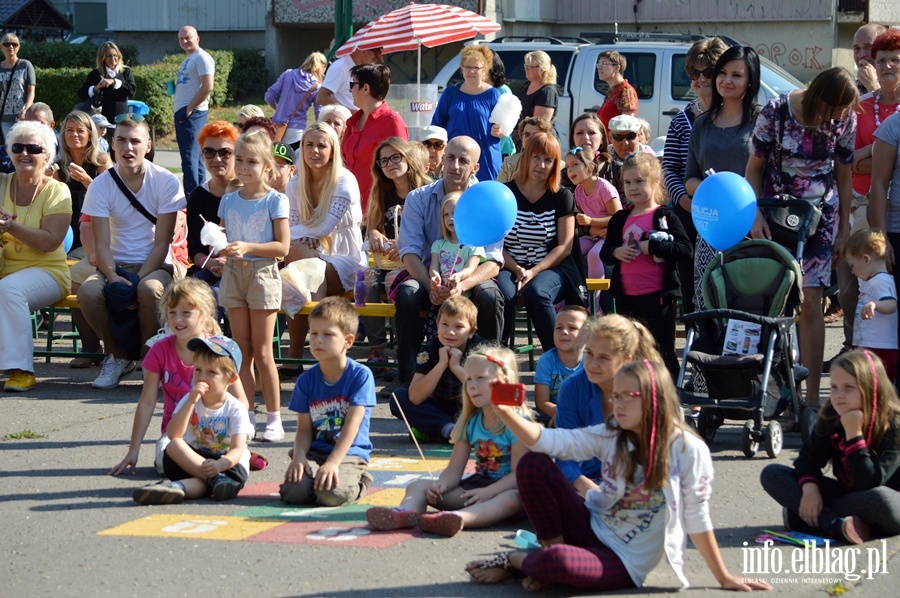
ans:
(723, 209)
(68, 240)
(485, 214)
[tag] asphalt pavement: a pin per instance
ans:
(70, 529)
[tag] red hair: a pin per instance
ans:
(888, 41)
(544, 145)
(219, 128)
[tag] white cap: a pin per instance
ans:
(625, 122)
(433, 132)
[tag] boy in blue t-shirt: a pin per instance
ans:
(333, 401)
(560, 362)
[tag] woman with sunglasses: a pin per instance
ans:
(465, 109)
(110, 84)
(720, 139)
(396, 172)
(370, 125)
(216, 140)
(621, 97)
(35, 215)
(16, 85)
(698, 65)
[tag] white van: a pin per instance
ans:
(655, 67)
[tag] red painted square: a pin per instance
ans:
(263, 490)
(333, 534)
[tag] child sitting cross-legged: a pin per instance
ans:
(560, 362)
(207, 451)
(433, 400)
(487, 497)
(333, 401)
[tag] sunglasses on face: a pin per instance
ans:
(10, 45)
(438, 145)
(623, 136)
(392, 159)
(694, 74)
(129, 116)
(223, 152)
(32, 148)
(352, 84)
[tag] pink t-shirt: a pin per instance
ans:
(175, 376)
(643, 275)
(594, 205)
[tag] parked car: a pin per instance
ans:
(655, 67)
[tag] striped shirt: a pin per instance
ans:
(534, 233)
(676, 151)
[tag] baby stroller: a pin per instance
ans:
(744, 346)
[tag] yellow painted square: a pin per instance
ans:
(394, 463)
(389, 497)
(193, 526)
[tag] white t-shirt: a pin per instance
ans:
(881, 331)
(212, 429)
(337, 80)
(187, 82)
(131, 235)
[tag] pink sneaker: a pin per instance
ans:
(443, 523)
(386, 519)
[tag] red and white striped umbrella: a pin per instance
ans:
(417, 25)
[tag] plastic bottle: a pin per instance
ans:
(359, 291)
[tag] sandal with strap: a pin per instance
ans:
(498, 561)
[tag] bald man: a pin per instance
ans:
(419, 228)
(866, 79)
(193, 86)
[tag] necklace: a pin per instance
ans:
(731, 122)
(14, 196)
(877, 100)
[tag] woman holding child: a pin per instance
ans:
(34, 217)
(541, 240)
(330, 218)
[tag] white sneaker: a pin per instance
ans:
(111, 371)
(274, 431)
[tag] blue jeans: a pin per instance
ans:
(540, 297)
(186, 130)
(430, 416)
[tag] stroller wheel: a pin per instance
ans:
(708, 422)
(772, 438)
(748, 445)
(808, 417)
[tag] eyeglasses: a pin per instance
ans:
(623, 136)
(883, 62)
(129, 116)
(10, 45)
(532, 66)
(352, 84)
(438, 145)
(695, 74)
(392, 159)
(605, 64)
(473, 69)
(32, 148)
(575, 150)
(623, 398)
(223, 152)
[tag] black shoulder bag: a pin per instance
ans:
(792, 224)
(129, 195)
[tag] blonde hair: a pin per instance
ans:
(92, 153)
(101, 54)
(648, 166)
(505, 370)
(314, 210)
(629, 338)
(195, 293)
(866, 241)
(10, 38)
(251, 111)
(482, 54)
(542, 60)
(315, 64)
(450, 198)
(257, 143)
(879, 409)
(661, 419)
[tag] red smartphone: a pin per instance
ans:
(508, 394)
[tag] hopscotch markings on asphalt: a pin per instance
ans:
(192, 526)
(357, 536)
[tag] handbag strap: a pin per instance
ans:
(779, 143)
(12, 74)
(303, 101)
(129, 194)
